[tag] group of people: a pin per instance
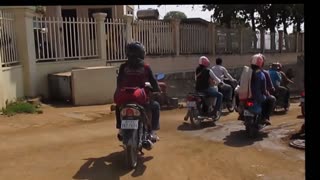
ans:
(210, 80)
(266, 86)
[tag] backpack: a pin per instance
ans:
(129, 93)
(245, 84)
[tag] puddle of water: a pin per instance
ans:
(269, 144)
(234, 132)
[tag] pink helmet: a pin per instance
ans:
(204, 61)
(258, 60)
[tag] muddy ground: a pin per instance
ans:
(80, 143)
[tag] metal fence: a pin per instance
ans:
(194, 39)
(59, 38)
(227, 41)
(8, 44)
(157, 36)
(116, 39)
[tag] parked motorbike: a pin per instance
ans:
(252, 117)
(164, 100)
(302, 103)
(136, 129)
(200, 107)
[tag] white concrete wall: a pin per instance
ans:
(43, 69)
(12, 78)
(95, 85)
(11, 84)
(171, 64)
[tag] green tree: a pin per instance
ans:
(40, 9)
(297, 15)
(224, 14)
(175, 15)
(284, 14)
(248, 12)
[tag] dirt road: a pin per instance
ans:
(80, 143)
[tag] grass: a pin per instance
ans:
(19, 107)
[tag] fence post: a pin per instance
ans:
(241, 39)
(101, 35)
(23, 22)
(262, 39)
(129, 21)
(175, 23)
(273, 41)
(297, 42)
(302, 42)
(2, 89)
(280, 40)
(212, 34)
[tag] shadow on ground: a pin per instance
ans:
(240, 138)
(110, 167)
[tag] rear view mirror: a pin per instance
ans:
(159, 76)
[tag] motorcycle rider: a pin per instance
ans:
(221, 72)
(270, 101)
(280, 91)
(258, 82)
(134, 73)
(205, 80)
(284, 81)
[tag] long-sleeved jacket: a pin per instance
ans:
(258, 86)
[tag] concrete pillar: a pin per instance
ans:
(2, 89)
(302, 41)
(280, 40)
(241, 39)
(297, 42)
(101, 35)
(262, 39)
(58, 11)
(26, 47)
(176, 35)
(129, 21)
(273, 42)
(212, 33)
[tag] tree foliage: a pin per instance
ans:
(175, 15)
(268, 16)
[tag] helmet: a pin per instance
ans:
(276, 66)
(204, 61)
(258, 60)
(135, 50)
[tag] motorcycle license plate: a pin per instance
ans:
(248, 113)
(129, 124)
(302, 99)
(191, 104)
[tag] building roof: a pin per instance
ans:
(194, 20)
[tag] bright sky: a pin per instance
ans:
(187, 9)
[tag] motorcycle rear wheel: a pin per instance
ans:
(195, 121)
